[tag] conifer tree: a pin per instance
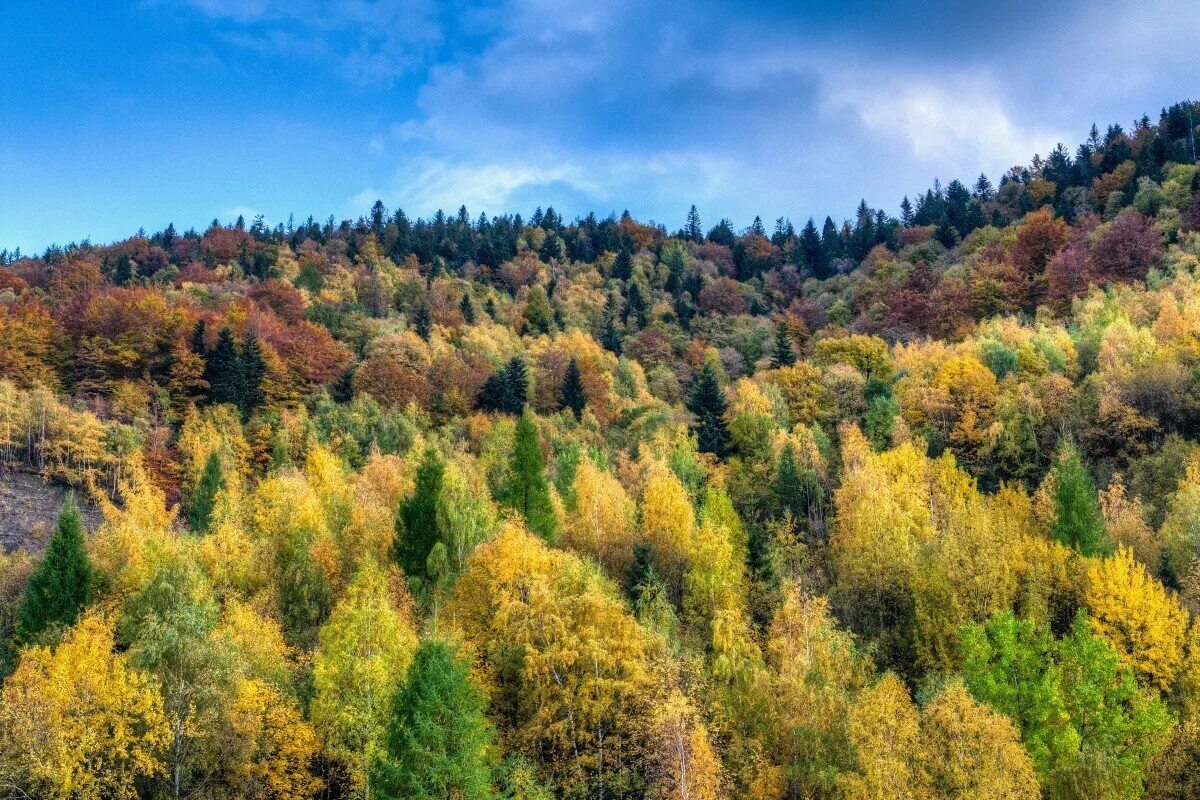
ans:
(417, 529)
(439, 744)
(467, 308)
(572, 395)
(610, 337)
(623, 265)
(782, 356)
(58, 588)
(251, 369)
(516, 386)
(694, 231)
(203, 497)
(1078, 522)
(707, 402)
(223, 370)
(422, 321)
(529, 491)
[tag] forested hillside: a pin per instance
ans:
(508, 507)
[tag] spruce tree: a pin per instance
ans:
(515, 387)
(623, 265)
(572, 395)
(467, 308)
(528, 490)
(251, 369)
(1078, 522)
(417, 529)
(610, 338)
(223, 371)
(422, 321)
(707, 402)
(438, 743)
(694, 231)
(203, 498)
(197, 341)
(782, 356)
(58, 588)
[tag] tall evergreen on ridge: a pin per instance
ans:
(572, 395)
(58, 588)
(422, 320)
(707, 402)
(251, 370)
(467, 308)
(693, 230)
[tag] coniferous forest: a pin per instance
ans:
(885, 507)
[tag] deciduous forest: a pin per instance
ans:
(891, 507)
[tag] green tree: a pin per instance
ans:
(539, 317)
(422, 320)
(202, 498)
(251, 369)
(438, 744)
(782, 355)
(796, 489)
(223, 370)
(1078, 522)
(572, 395)
(467, 308)
(417, 529)
(528, 490)
(58, 588)
(707, 402)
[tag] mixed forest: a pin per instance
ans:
(891, 508)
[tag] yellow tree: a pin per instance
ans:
(563, 662)
(885, 732)
(683, 763)
(362, 655)
(601, 523)
(972, 752)
(1136, 615)
(78, 722)
(273, 746)
(667, 523)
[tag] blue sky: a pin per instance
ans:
(125, 114)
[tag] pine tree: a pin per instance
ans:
(515, 387)
(529, 491)
(707, 402)
(1078, 522)
(694, 231)
(417, 529)
(467, 308)
(782, 355)
(202, 499)
(58, 588)
(422, 321)
(572, 395)
(490, 308)
(623, 265)
(251, 369)
(635, 306)
(223, 371)
(197, 342)
(610, 337)
(438, 743)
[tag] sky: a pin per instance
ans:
(121, 115)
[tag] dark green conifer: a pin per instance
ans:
(203, 498)
(417, 529)
(467, 308)
(707, 403)
(58, 588)
(223, 371)
(782, 355)
(572, 395)
(528, 490)
(1078, 522)
(422, 320)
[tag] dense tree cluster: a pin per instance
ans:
(535, 508)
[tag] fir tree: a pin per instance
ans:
(572, 395)
(223, 371)
(623, 265)
(58, 588)
(422, 321)
(490, 308)
(197, 341)
(203, 497)
(782, 356)
(707, 402)
(467, 308)
(438, 743)
(693, 230)
(610, 337)
(251, 369)
(417, 529)
(528, 490)
(1078, 522)
(515, 386)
